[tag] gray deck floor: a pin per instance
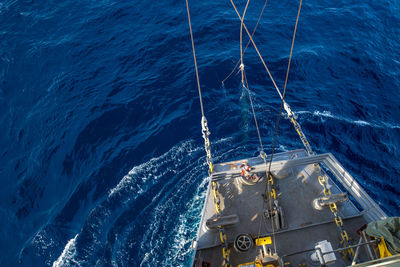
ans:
(304, 225)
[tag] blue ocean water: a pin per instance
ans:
(102, 160)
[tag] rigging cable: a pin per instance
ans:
(285, 105)
(254, 114)
(258, 52)
(241, 48)
(271, 192)
(280, 114)
(248, 43)
(263, 156)
(204, 124)
(195, 61)
(244, 78)
(246, 86)
(262, 153)
(205, 134)
(344, 238)
(281, 95)
(284, 88)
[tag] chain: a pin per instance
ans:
(221, 229)
(270, 195)
(296, 125)
(270, 179)
(217, 201)
(271, 184)
(205, 132)
(343, 236)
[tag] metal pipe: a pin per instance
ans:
(332, 251)
(315, 224)
(264, 247)
(353, 246)
(357, 252)
(368, 249)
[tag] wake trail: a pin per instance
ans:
(135, 184)
(362, 123)
(174, 188)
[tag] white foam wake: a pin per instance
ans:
(137, 182)
(67, 257)
(175, 173)
(328, 114)
(152, 168)
(180, 236)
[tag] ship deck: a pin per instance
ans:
(296, 184)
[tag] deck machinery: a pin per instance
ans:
(296, 224)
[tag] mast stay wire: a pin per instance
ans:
(248, 43)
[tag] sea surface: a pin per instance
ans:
(101, 157)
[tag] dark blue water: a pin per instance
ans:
(102, 161)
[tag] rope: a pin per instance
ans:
(291, 48)
(344, 238)
(280, 110)
(284, 89)
(281, 96)
(258, 52)
(241, 31)
(277, 89)
(285, 105)
(254, 114)
(244, 78)
(248, 42)
(195, 61)
(206, 133)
